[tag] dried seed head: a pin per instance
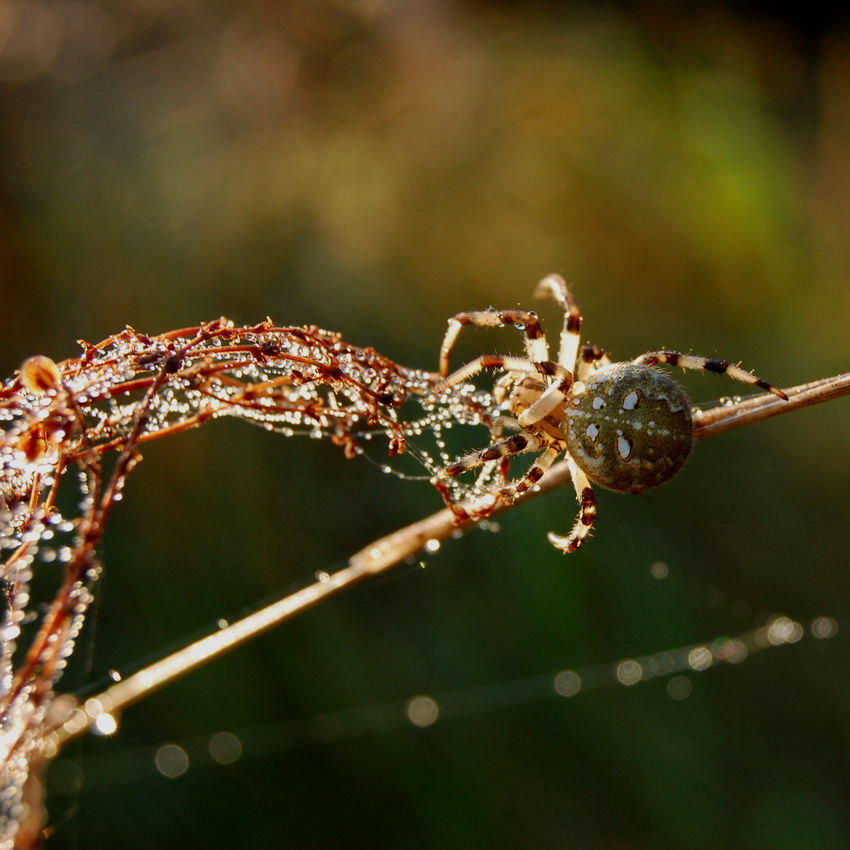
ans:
(39, 374)
(33, 442)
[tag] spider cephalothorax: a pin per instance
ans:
(625, 426)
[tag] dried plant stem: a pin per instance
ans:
(388, 551)
(375, 558)
(726, 417)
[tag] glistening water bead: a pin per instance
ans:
(629, 427)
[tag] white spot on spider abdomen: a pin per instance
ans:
(630, 402)
(624, 447)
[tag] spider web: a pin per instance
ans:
(70, 435)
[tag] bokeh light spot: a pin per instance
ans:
(225, 747)
(104, 724)
(423, 711)
(783, 630)
(679, 687)
(65, 777)
(171, 761)
(824, 627)
(629, 672)
(700, 658)
(567, 683)
(659, 570)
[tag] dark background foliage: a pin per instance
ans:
(375, 166)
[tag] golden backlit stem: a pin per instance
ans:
(725, 417)
(388, 551)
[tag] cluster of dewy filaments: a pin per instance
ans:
(58, 420)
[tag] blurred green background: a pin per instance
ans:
(375, 166)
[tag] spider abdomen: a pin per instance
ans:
(628, 427)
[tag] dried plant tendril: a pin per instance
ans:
(58, 421)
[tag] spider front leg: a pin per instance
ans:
(536, 347)
(707, 364)
(555, 287)
(586, 516)
(487, 361)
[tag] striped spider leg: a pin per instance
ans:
(537, 388)
(625, 426)
(708, 364)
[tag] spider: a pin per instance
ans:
(625, 426)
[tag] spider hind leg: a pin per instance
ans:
(513, 445)
(707, 364)
(502, 450)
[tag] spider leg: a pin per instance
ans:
(534, 474)
(555, 287)
(587, 513)
(497, 430)
(590, 358)
(537, 350)
(708, 364)
(487, 361)
(513, 445)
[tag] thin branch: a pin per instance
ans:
(388, 551)
(722, 418)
